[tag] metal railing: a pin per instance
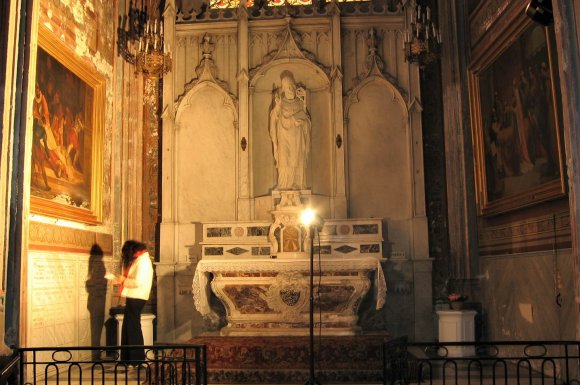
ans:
(9, 370)
(475, 363)
(164, 364)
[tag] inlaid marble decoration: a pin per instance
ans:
(219, 232)
(365, 229)
(258, 231)
(372, 248)
(237, 251)
(213, 250)
(248, 299)
(260, 251)
(345, 249)
(334, 298)
(324, 249)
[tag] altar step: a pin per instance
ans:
(286, 360)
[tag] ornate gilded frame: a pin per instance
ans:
(517, 139)
(62, 185)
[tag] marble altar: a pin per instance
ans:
(270, 297)
(260, 271)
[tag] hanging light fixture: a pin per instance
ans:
(140, 40)
(422, 38)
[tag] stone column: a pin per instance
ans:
(422, 263)
(338, 201)
(458, 148)
(165, 268)
(244, 212)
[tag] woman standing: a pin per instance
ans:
(135, 287)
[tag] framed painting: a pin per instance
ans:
(67, 135)
(515, 112)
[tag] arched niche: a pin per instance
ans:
(262, 85)
(206, 153)
(379, 153)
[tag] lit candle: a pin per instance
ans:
(140, 43)
(161, 28)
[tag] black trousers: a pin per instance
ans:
(131, 333)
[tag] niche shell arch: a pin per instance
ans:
(206, 154)
(317, 84)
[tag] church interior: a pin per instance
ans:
(436, 142)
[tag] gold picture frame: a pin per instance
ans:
(516, 119)
(66, 158)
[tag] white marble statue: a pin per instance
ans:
(290, 128)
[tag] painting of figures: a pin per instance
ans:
(518, 130)
(65, 133)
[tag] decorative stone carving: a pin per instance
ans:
(288, 294)
(288, 48)
(269, 297)
(206, 72)
(287, 235)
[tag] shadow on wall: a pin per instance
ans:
(96, 286)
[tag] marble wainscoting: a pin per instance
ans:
(271, 297)
(529, 296)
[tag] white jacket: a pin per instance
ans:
(139, 278)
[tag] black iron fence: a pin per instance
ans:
(164, 365)
(474, 363)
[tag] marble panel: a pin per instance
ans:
(380, 148)
(206, 129)
(537, 303)
(67, 299)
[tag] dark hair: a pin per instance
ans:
(129, 249)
